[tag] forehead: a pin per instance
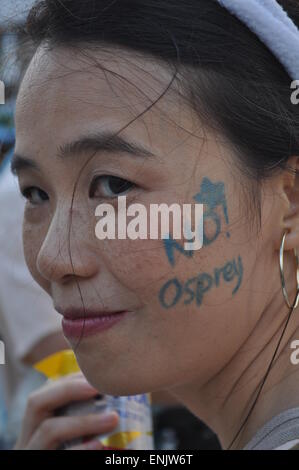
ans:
(100, 73)
(66, 90)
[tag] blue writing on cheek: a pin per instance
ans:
(195, 288)
(189, 290)
(228, 272)
(213, 195)
(204, 283)
(175, 288)
(171, 245)
(239, 272)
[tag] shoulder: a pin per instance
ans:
(281, 432)
(290, 445)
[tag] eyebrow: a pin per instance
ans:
(96, 142)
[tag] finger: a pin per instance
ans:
(90, 445)
(75, 375)
(55, 431)
(43, 402)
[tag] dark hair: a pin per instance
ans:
(228, 75)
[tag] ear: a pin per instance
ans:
(290, 188)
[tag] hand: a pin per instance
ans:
(42, 430)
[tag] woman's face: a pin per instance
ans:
(188, 313)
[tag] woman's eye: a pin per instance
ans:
(35, 195)
(109, 186)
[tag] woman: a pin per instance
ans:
(166, 102)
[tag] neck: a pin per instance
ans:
(224, 402)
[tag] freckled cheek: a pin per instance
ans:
(32, 241)
(140, 265)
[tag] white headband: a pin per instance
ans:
(270, 22)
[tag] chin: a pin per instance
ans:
(114, 383)
(117, 387)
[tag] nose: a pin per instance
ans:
(67, 250)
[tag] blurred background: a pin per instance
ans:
(29, 327)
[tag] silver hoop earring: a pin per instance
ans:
(285, 294)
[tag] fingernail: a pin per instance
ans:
(108, 418)
(93, 445)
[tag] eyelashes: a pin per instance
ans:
(105, 186)
(35, 195)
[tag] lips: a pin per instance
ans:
(79, 322)
(81, 313)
